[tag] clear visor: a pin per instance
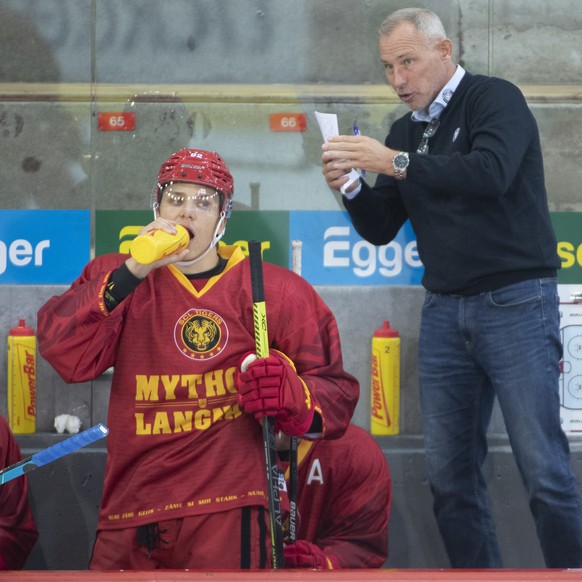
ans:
(206, 201)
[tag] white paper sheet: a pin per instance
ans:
(329, 126)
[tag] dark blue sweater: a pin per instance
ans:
(477, 201)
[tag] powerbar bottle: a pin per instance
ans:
(22, 379)
(385, 398)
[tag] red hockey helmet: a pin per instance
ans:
(198, 167)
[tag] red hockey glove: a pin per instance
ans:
(270, 386)
(304, 554)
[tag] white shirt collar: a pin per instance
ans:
(436, 107)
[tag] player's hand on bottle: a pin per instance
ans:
(142, 270)
(271, 387)
(304, 554)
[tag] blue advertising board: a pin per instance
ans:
(333, 252)
(43, 246)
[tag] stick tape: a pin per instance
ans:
(54, 452)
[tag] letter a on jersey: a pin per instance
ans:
(315, 472)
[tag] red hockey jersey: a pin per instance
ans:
(344, 499)
(179, 444)
(17, 529)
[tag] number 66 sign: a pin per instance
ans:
(288, 121)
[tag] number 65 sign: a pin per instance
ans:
(116, 121)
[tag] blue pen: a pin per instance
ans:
(357, 132)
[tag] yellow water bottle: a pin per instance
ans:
(22, 379)
(156, 244)
(385, 398)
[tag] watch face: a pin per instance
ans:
(400, 161)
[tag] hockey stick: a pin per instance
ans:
(296, 246)
(262, 351)
(53, 453)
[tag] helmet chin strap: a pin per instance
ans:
(215, 238)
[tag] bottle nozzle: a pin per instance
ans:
(386, 331)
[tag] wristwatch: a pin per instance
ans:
(400, 162)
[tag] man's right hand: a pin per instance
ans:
(341, 153)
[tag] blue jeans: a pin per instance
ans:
(504, 343)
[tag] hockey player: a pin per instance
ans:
(18, 532)
(344, 496)
(185, 480)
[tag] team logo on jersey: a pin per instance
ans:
(200, 334)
